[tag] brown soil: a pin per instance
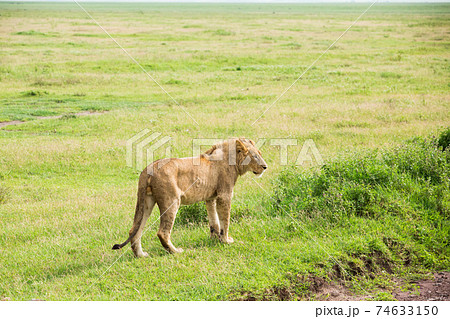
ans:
(437, 289)
(2, 124)
(305, 288)
(84, 113)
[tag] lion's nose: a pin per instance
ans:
(264, 166)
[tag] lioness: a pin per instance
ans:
(184, 181)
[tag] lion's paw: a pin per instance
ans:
(213, 232)
(228, 240)
(177, 251)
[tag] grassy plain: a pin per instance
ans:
(66, 194)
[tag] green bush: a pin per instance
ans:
(444, 139)
(407, 187)
(419, 158)
(368, 183)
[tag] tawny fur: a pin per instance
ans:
(183, 181)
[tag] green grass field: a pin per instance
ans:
(66, 194)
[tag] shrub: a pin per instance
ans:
(415, 174)
(406, 187)
(444, 139)
(419, 158)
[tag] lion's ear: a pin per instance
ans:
(211, 150)
(240, 147)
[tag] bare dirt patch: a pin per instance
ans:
(437, 289)
(316, 288)
(305, 288)
(3, 124)
(84, 113)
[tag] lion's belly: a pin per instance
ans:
(196, 183)
(200, 191)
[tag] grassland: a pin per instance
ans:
(66, 194)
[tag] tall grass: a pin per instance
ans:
(406, 185)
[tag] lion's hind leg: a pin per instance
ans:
(148, 204)
(168, 213)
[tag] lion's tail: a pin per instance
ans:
(118, 246)
(139, 211)
(136, 224)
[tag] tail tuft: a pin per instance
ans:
(117, 246)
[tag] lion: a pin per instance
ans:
(209, 177)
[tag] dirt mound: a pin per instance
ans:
(303, 288)
(437, 289)
(315, 288)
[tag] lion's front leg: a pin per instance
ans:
(214, 226)
(223, 206)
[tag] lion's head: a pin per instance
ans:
(249, 158)
(239, 152)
